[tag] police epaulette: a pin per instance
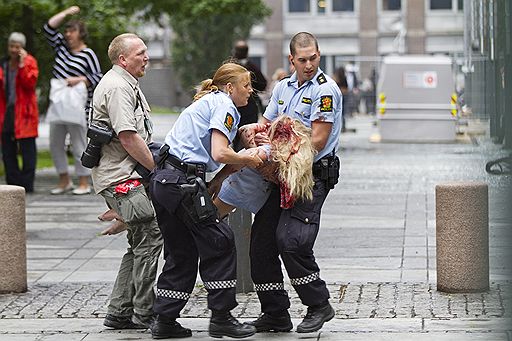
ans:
(321, 79)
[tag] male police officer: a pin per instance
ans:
(119, 105)
(315, 99)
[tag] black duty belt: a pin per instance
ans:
(320, 167)
(190, 169)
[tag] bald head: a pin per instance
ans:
(121, 45)
(129, 52)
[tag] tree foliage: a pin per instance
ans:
(104, 19)
(204, 32)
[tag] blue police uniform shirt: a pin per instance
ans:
(190, 137)
(318, 99)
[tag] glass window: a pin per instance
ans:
(298, 6)
(320, 6)
(342, 60)
(256, 60)
(323, 63)
(391, 5)
(440, 4)
(460, 5)
(343, 5)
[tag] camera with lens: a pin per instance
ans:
(98, 134)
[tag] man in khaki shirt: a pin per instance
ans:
(119, 104)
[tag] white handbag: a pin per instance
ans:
(67, 103)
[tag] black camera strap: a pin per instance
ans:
(148, 125)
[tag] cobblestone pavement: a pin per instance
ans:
(376, 249)
(370, 300)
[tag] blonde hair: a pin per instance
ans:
(120, 45)
(292, 149)
(226, 73)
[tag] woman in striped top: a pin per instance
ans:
(75, 63)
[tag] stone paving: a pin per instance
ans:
(351, 301)
(376, 250)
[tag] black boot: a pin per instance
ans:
(223, 323)
(121, 322)
(167, 328)
(315, 318)
(276, 322)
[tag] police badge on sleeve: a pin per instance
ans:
(229, 121)
(326, 103)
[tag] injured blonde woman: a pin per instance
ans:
(288, 162)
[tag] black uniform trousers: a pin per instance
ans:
(184, 244)
(14, 175)
(290, 233)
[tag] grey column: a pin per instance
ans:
(462, 237)
(274, 37)
(241, 221)
(368, 33)
(415, 22)
(13, 250)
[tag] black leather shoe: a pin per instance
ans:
(278, 322)
(121, 322)
(224, 324)
(315, 318)
(167, 328)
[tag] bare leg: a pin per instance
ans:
(223, 208)
(83, 182)
(110, 215)
(64, 184)
(64, 180)
(116, 227)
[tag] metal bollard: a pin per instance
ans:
(462, 237)
(13, 249)
(241, 222)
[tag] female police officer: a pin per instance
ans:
(198, 142)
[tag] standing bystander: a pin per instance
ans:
(19, 115)
(340, 78)
(75, 63)
(250, 113)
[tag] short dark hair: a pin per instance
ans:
(302, 39)
(241, 50)
(77, 25)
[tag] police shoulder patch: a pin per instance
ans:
(321, 79)
(326, 103)
(306, 100)
(229, 121)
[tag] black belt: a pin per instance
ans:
(191, 169)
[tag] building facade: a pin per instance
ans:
(487, 66)
(361, 31)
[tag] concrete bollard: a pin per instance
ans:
(241, 222)
(13, 249)
(462, 237)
